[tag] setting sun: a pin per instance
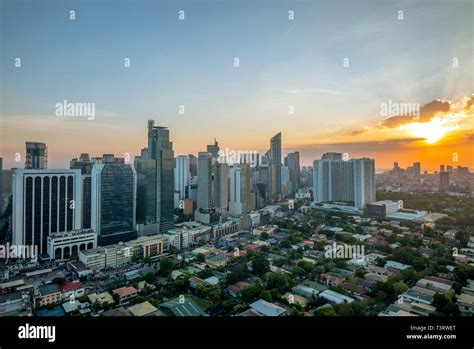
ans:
(431, 131)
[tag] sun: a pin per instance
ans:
(431, 131)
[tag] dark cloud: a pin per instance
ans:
(427, 112)
(359, 132)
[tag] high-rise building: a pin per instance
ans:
(443, 181)
(236, 194)
(441, 168)
(349, 181)
(275, 166)
(192, 165)
(263, 184)
(364, 181)
(113, 201)
(204, 200)
(84, 163)
(45, 202)
(285, 181)
(36, 156)
(213, 149)
(449, 169)
(181, 178)
(292, 160)
(416, 169)
(221, 187)
(156, 178)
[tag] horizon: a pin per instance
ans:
(333, 76)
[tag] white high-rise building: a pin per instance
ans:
(45, 202)
(337, 180)
(182, 178)
(236, 203)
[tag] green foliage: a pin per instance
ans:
(166, 267)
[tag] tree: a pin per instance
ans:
(150, 277)
(212, 293)
(279, 281)
(201, 258)
(445, 304)
(325, 311)
(264, 236)
(166, 267)
(251, 293)
(260, 265)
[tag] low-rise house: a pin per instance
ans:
(235, 289)
(305, 291)
(142, 309)
(396, 265)
(46, 295)
(120, 311)
(69, 289)
(295, 299)
(125, 294)
(335, 297)
(331, 279)
(101, 298)
(181, 307)
(436, 284)
(465, 304)
(267, 309)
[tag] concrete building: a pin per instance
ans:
(182, 178)
(36, 156)
(63, 245)
(45, 202)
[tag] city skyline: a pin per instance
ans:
(191, 84)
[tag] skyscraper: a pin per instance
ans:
(443, 181)
(1, 186)
(192, 165)
(113, 200)
(221, 187)
(84, 163)
(181, 178)
(156, 177)
(349, 181)
(275, 166)
(45, 202)
(36, 156)
(204, 201)
(213, 149)
(292, 160)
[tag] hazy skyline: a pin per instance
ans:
(283, 63)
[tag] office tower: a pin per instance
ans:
(181, 178)
(221, 187)
(285, 181)
(396, 169)
(155, 201)
(416, 168)
(84, 163)
(275, 166)
(349, 181)
(263, 180)
(449, 169)
(364, 181)
(443, 181)
(292, 160)
(192, 165)
(113, 200)
(36, 156)
(213, 149)
(441, 168)
(204, 200)
(246, 176)
(45, 202)
(236, 195)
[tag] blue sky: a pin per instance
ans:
(190, 63)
